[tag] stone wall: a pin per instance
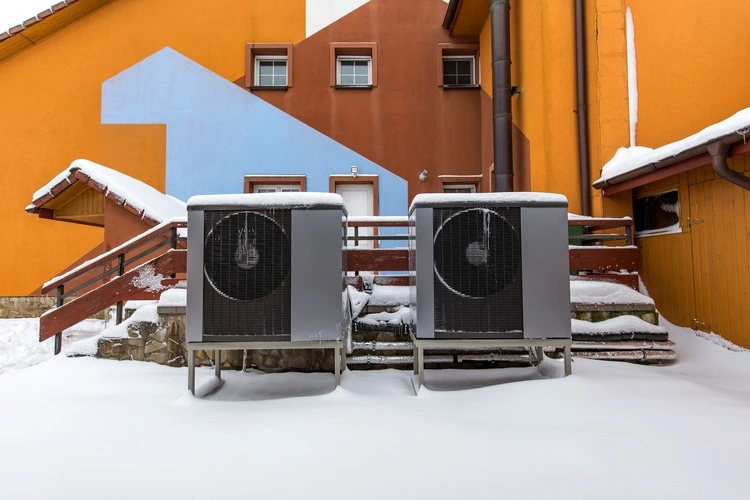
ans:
(25, 307)
(165, 344)
(34, 307)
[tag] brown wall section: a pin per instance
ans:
(407, 123)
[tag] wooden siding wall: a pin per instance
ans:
(665, 261)
(701, 277)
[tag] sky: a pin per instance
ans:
(14, 12)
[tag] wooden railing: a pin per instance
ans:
(592, 256)
(130, 270)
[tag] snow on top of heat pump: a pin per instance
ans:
(266, 200)
(489, 199)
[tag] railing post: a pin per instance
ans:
(173, 241)
(59, 303)
(628, 234)
(356, 243)
(120, 272)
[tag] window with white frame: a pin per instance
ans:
(459, 71)
(354, 71)
(271, 71)
(280, 188)
(459, 188)
(657, 214)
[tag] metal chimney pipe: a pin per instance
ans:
(502, 120)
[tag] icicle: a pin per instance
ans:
(743, 132)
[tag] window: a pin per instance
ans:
(271, 71)
(354, 70)
(458, 71)
(275, 183)
(458, 66)
(657, 214)
(459, 188)
(268, 66)
(354, 65)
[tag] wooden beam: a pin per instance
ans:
(604, 258)
(377, 259)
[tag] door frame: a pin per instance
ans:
(335, 180)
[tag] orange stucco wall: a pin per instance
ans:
(51, 101)
(692, 70)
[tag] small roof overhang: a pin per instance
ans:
(78, 194)
(466, 17)
(635, 166)
(45, 24)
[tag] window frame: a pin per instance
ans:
(458, 50)
(472, 59)
(456, 185)
(270, 58)
(349, 58)
(267, 51)
(252, 182)
(353, 51)
(671, 229)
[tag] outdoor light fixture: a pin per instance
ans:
(423, 176)
(354, 170)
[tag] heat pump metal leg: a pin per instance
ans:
(420, 356)
(415, 359)
(337, 365)
(191, 371)
(568, 368)
(217, 363)
(539, 353)
(343, 357)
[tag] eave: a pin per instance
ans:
(45, 24)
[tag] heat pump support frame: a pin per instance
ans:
(421, 344)
(338, 346)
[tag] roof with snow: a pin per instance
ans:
(635, 163)
(70, 194)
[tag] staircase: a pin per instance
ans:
(141, 268)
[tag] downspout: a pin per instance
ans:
(502, 120)
(581, 110)
(719, 151)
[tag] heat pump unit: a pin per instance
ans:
(489, 266)
(266, 268)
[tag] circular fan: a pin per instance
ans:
(477, 253)
(246, 256)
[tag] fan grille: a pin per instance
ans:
(247, 262)
(478, 272)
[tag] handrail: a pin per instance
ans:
(156, 232)
(130, 252)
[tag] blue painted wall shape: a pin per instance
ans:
(217, 132)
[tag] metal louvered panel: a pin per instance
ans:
(246, 278)
(478, 272)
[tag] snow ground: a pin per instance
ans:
(88, 428)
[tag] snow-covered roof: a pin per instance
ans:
(266, 200)
(136, 196)
(633, 161)
(489, 199)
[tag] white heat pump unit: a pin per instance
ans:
(489, 266)
(266, 268)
